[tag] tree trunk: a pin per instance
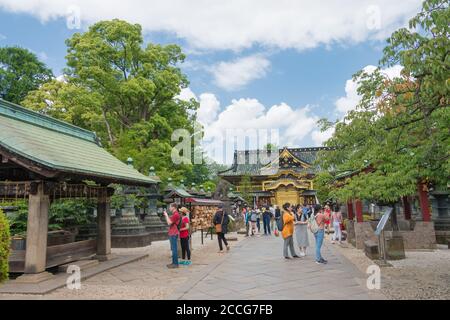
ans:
(108, 128)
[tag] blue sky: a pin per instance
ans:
(245, 60)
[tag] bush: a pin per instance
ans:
(4, 247)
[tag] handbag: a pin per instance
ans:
(219, 226)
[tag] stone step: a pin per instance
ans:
(83, 264)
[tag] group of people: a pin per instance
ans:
(179, 228)
(295, 221)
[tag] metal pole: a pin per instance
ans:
(202, 235)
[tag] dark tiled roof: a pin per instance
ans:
(258, 162)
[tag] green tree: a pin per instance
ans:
(398, 135)
(126, 92)
(20, 73)
(4, 246)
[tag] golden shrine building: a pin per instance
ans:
(277, 177)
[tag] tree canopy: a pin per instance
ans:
(126, 91)
(20, 72)
(399, 134)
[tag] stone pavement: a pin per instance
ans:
(253, 269)
(257, 270)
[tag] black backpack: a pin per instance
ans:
(280, 222)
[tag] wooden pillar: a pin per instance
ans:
(406, 208)
(424, 202)
(104, 230)
(37, 229)
(359, 213)
(350, 213)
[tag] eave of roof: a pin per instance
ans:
(60, 148)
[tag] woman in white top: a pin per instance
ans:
(336, 220)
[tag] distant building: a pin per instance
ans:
(277, 177)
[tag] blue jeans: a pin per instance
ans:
(319, 240)
(266, 221)
(174, 247)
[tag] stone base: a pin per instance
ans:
(82, 264)
(422, 237)
(364, 232)
(371, 250)
(442, 237)
(158, 235)
(34, 277)
(131, 241)
(105, 257)
(395, 249)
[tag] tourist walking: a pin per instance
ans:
(288, 231)
(258, 219)
(221, 223)
(184, 237)
(317, 225)
(301, 230)
(253, 220)
(327, 214)
(336, 219)
(266, 221)
(272, 217)
(173, 222)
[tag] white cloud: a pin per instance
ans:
(236, 74)
(291, 125)
(2, 37)
(209, 108)
(320, 137)
(351, 99)
(186, 94)
(237, 24)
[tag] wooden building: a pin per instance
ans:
(43, 159)
(276, 177)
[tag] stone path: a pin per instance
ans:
(257, 270)
(253, 269)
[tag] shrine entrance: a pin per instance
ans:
(287, 194)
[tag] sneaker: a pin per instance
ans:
(188, 263)
(220, 251)
(324, 261)
(228, 248)
(172, 266)
(320, 262)
(296, 257)
(288, 258)
(302, 254)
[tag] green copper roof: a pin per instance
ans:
(61, 147)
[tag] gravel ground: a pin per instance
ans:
(423, 275)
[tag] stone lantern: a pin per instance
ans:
(127, 230)
(152, 222)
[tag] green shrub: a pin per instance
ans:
(4, 247)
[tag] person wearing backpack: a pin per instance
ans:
(173, 221)
(221, 223)
(287, 231)
(317, 227)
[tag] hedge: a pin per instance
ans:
(4, 246)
